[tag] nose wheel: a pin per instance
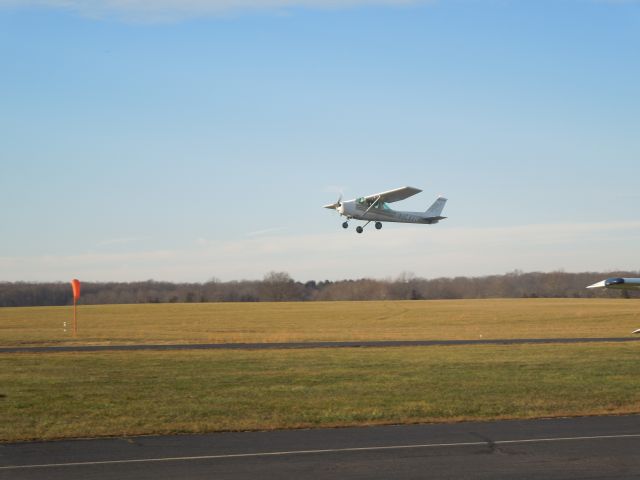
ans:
(378, 225)
(359, 229)
(345, 225)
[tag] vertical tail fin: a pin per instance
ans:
(435, 210)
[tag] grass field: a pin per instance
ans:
(79, 395)
(61, 395)
(321, 321)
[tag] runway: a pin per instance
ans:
(305, 345)
(567, 448)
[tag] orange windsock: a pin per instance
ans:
(75, 285)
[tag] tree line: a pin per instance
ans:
(279, 286)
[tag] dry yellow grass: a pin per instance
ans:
(321, 321)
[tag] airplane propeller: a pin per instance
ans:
(335, 206)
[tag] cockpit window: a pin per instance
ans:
(368, 203)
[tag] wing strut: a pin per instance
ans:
(371, 206)
(361, 228)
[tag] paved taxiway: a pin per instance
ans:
(569, 448)
(303, 345)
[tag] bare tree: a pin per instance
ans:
(278, 287)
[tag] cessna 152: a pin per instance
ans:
(619, 284)
(375, 208)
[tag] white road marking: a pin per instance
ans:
(326, 450)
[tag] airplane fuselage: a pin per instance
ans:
(382, 213)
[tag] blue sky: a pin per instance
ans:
(201, 138)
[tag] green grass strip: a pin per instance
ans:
(49, 396)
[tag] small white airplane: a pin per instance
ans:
(619, 283)
(375, 208)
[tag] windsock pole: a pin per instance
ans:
(75, 320)
(75, 286)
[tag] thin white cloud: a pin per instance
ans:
(171, 10)
(117, 241)
(266, 231)
(428, 251)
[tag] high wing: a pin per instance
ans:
(393, 195)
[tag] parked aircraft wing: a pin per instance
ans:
(394, 195)
(618, 282)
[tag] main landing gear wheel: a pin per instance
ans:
(359, 229)
(378, 225)
(345, 225)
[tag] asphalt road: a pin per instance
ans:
(576, 448)
(302, 345)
